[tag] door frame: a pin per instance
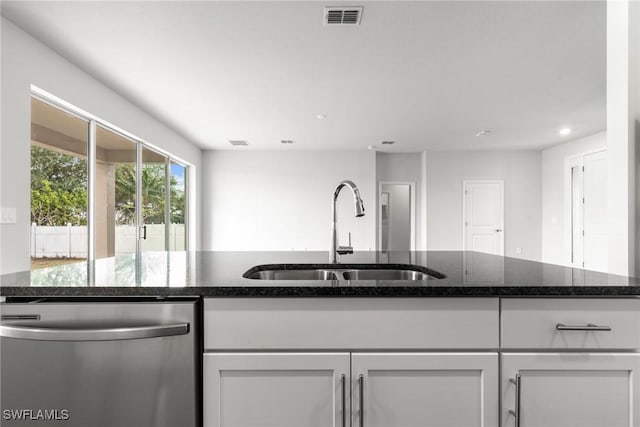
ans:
(570, 162)
(412, 199)
(464, 208)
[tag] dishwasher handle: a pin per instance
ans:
(40, 333)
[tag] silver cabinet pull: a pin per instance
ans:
(587, 327)
(361, 381)
(343, 384)
(516, 411)
(42, 333)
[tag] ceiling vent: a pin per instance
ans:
(286, 141)
(342, 15)
(238, 143)
(388, 142)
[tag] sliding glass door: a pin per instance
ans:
(154, 200)
(59, 186)
(97, 192)
(115, 194)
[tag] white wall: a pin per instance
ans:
(25, 61)
(521, 172)
(635, 114)
(405, 167)
(622, 76)
(554, 229)
(277, 200)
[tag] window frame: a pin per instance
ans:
(94, 121)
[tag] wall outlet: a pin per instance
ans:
(8, 216)
(518, 251)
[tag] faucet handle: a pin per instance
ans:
(343, 250)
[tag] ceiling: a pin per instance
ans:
(427, 75)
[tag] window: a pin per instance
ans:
(97, 192)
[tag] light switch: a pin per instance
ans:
(8, 216)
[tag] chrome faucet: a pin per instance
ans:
(335, 248)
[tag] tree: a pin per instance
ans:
(59, 191)
(125, 194)
(153, 195)
(58, 188)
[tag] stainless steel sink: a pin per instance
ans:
(383, 274)
(292, 275)
(341, 272)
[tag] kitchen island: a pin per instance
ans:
(490, 341)
(220, 274)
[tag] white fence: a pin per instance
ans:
(71, 241)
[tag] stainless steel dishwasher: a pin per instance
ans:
(100, 364)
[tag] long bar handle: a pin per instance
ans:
(343, 384)
(516, 411)
(587, 327)
(361, 384)
(40, 333)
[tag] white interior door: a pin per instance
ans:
(483, 210)
(576, 211)
(596, 230)
(397, 216)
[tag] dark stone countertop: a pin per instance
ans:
(219, 274)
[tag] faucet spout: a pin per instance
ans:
(359, 211)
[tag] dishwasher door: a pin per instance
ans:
(98, 364)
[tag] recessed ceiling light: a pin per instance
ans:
(565, 131)
(321, 116)
(372, 147)
(286, 141)
(238, 143)
(485, 132)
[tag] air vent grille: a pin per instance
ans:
(286, 141)
(238, 143)
(342, 15)
(388, 142)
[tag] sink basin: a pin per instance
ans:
(311, 274)
(386, 274)
(341, 272)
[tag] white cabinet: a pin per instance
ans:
(570, 323)
(317, 389)
(571, 389)
(276, 389)
(425, 389)
(421, 362)
(311, 324)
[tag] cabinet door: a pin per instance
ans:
(425, 389)
(571, 390)
(276, 389)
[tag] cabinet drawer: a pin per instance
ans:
(350, 323)
(558, 323)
